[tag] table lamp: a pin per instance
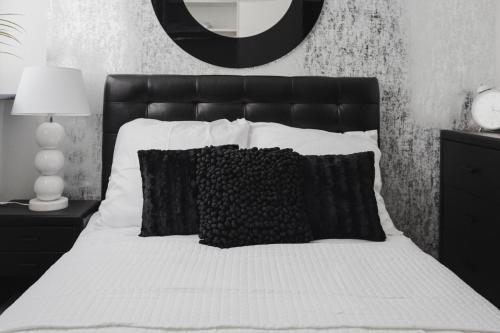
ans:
(50, 91)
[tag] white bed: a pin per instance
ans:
(114, 281)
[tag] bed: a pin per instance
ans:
(114, 281)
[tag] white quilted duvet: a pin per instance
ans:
(114, 281)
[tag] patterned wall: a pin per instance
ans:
(427, 54)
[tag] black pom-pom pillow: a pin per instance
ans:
(340, 199)
(169, 191)
(250, 197)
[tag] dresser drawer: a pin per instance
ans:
(42, 239)
(472, 168)
(476, 267)
(469, 235)
(470, 214)
(26, 264)
(488, 286)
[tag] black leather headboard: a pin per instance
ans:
(331, 104)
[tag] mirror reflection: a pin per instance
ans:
(238, 18)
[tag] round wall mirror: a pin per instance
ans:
(237, 33)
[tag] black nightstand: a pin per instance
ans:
(30, 242)
(470, 197)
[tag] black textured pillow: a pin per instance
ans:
(340, 199)
(250, 197)
(169, 191)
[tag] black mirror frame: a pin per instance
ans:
(230, 52)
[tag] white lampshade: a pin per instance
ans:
(51, 91)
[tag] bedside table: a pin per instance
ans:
(30, 242)
(470, 221)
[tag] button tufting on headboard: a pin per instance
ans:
(330, 104)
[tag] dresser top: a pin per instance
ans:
(20, 215)
(483, 139)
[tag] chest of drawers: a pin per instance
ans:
(31, 242)
(470, 214)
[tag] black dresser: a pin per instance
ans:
(30, 242)
(470, 209)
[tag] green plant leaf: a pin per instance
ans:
(11, 54)
(9, 36)
(11, 24)
(7, 27)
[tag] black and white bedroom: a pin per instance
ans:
(249, 166)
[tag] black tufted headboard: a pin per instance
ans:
(331, 104)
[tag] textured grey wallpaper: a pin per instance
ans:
(427, 54)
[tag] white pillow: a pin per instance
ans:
(317, 142)
(123, 204)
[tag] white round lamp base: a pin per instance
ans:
(38, 205)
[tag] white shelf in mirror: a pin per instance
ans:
(222, 29)
(211, 1)
(219, 16)
(219, 1)
(236, 18)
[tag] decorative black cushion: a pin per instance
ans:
(340, 199)
(169, 191)
(250, 197)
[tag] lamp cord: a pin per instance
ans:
(13, 203)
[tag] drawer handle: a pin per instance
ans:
(472, 170)
(472, 219)
(29, 239)
(471, 265)
(27, 265)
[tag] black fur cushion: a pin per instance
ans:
(249, 197)
(169, 191)
(340, 198)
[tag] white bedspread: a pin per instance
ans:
(114, 281)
